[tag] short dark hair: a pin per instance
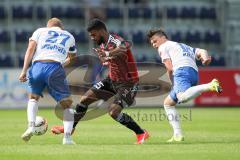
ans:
(158, 31)
(96, 24)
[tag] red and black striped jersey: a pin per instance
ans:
(122, 68)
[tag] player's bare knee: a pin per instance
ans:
(84, 100)
(88, 98)
(113, 114)
(114, 111)
(165, 102)
(34, 96)
(66, 103)
(169, 101)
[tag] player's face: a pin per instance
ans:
(96, 36)
(156, 40)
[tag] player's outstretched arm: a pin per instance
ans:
(101, 54)
(202, 55)
(27, 60)
(118, 51)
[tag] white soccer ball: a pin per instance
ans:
(41, 126)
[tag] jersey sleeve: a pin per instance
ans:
(164, 52)
(35, 36)
(72, 48)
(195, 50)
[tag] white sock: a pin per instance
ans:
(32, 112)
(68, 119)
(193, 92)
(174, 119)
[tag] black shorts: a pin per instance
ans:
(124, 92)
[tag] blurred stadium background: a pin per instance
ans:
(210, 24)
(211, 132)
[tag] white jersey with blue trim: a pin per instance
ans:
(53, 44)
(180, 54)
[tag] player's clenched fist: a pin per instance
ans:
(207, 61)
(23, 77)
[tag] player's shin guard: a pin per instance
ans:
(68, 119)
(81, 110)
(32, 112)
(193, 92)
(174, 119)
(127, 121)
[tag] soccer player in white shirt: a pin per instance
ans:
(180, 62)
(49, 49)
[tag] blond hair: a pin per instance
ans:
(55, 22)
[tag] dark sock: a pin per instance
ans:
(81, 110)
(127, 121)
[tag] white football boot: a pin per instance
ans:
(68, 141)
(26, 136)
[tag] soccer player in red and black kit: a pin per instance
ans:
(121, 82)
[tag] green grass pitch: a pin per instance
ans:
(210, 133)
